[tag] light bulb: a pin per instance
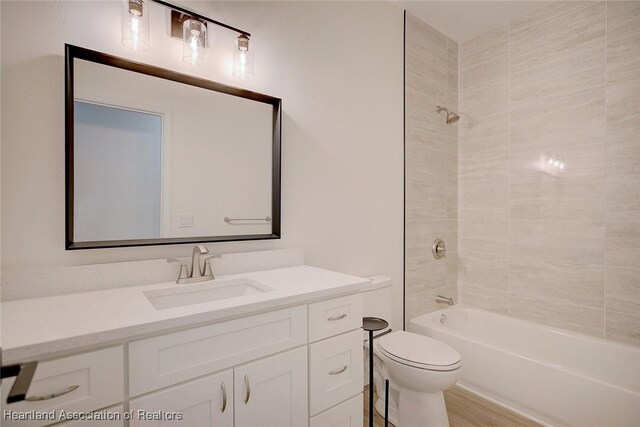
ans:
(194, 34)
(135, 25)
(242, 58)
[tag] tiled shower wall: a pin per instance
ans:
(551, 245)
(431, 157)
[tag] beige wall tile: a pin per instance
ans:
(623, 290)
(623, 58)
(623, 102)
(623, 198)
(430, 166)
(623, 327)
(487, 133)
(562, 315)
(484, 270)
(529, 95)
(483, 166)
(485, 298)
(623, 19)
(544, 14)
(484, 202)
(582, 28)
(559, 283)
(488, 237)
(484, 41)
(484, 66)
(420, 33)
(431, 201)
(528, 163)
(550, 198)
(623, 244)
(422, 275)
(420, 235)
(580, 242)
(486, 99)
(577, 125)
(623, 152)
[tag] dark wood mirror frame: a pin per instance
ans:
(75, 52)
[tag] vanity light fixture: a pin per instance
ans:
(242, 58)
(135, 25)
(194, 41)
(190, 27)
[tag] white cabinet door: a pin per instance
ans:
(272, 392)
(206, 402)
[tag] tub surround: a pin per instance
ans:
(431, 156)
(42, 327)
(554, 247)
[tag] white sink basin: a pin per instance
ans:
(198, 293)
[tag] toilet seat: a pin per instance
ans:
(419, 351)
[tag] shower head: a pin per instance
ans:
(451, 116)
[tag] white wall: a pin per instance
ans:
(336, 65)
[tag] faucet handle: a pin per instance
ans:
(184, 270)
(208, 271)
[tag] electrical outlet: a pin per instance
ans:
(186, 221)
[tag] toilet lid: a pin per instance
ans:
(419, 351)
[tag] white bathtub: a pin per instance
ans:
(549, 375)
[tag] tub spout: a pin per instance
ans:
(444, 300)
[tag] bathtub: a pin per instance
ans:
(552, 376)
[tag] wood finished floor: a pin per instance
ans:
(465, 410)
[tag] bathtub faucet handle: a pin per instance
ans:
(439, 249)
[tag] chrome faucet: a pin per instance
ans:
(197, 273)
(195, 260)
(444, 300)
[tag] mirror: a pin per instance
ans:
(156, 157)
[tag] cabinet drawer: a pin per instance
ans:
(333, 317)
(98, 375)
(206, 402)
(335, 367)
(113, 412)
(173, 358)
(346, 414)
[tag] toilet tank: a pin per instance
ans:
(377, 299)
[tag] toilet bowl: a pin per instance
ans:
(419, 369)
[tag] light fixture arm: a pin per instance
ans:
(200, 17)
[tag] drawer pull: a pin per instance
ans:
(224, 398)
(52, 395)
(247, 393)
(338, 371)
(334, 318)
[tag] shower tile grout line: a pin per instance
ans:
(509, 169)
(606, 140)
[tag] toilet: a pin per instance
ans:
(419, 368)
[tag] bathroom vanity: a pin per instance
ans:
(272, 348)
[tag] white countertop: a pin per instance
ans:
(38, 328)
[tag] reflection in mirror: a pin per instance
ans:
(159, 161)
